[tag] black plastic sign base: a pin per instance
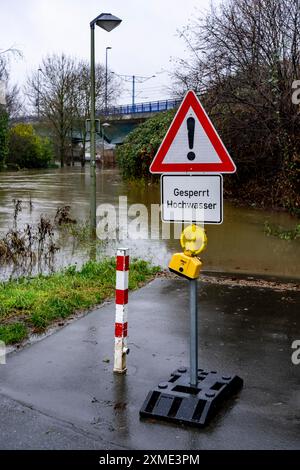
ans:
(178, 402)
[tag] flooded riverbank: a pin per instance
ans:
(238, 245)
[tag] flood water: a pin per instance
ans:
(238, 245)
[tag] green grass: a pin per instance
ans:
(32, 304)
(13, 333)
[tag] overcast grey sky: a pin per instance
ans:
(141, 45)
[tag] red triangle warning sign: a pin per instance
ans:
(192, 144)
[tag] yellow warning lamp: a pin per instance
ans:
(193, 240)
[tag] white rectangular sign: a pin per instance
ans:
(192, 198)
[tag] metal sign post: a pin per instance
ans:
(191, 146)
(193, 333)
(181, 399)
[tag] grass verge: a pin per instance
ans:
(32, 304)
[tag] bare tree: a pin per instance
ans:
(14, 102)
(5, 57)
(11, 93)
(53, 88)
(62, 91)
(244, 57)
(6, 100)
(82, 96)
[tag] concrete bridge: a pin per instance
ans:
(122, 119)
(134, 112)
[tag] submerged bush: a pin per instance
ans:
(282, 233)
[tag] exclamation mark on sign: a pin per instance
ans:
(191, 132)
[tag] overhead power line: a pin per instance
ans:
(134, 79)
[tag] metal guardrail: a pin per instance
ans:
(148, 107)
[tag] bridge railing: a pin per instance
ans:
(147, 107)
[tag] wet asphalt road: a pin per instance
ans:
(60, 393)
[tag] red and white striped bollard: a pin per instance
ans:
(121, 322)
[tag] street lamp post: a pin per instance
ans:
(106, 79)
(108, 22)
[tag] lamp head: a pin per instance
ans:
(106, 21)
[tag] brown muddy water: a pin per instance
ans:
(238, 245)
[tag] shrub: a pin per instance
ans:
(27, 149)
